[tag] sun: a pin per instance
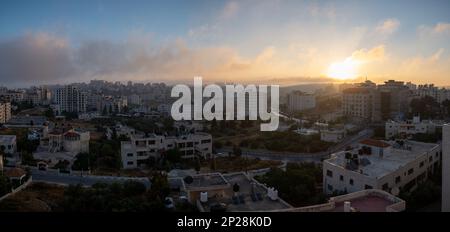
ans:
(344, 70)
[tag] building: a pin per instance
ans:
(299, 101)
(8, 144)
(440, 94)
(5, 111)
(374, 164)
(370, 200)
(357, 103)
(74, 141)
(405, 129)
(13, 96)
(71, 99)
(136, 152)
(394, 99)
(334, 136)
(446, 168)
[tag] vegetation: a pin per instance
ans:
(291, 142)
(427, 107)
(298, 185)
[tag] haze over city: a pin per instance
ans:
(281, 42)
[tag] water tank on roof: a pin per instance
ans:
(204, 197)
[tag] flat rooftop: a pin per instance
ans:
(206, 181)
(7, 139)
(26, 120)
(380, 166)
(246, 189)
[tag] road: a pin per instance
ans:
(65, 179)
(299, 157)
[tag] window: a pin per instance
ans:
(130, 163)
(329, 173)
(421, 164)
(385, 187)
(130, 154)
(341, 177)
(368, 187)
(351, 182)
(410, 171)
(430, 159)
(397, 179)
(330, 187)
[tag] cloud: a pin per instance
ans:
(34, 57)
(375, 54)
(388, 26)
(230, 10)
(442, 28)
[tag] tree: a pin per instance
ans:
(49, 113)
(173, 155)
(81, 162)
(237, 151)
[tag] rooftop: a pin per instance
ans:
(206, 181)
(373, 165)
(7, 139)
(375, 143)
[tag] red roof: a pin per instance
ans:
(71, 134)
(375, 143)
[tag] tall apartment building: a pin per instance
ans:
(374, 164)
(5, 111)
(357, 103)
(446, 168)
(394, 100)
(299, 101)
(138, 150)
(71, 99)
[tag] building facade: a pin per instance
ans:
(136, 152)
(5, 111)
(299, 101)
(408, 128)
(71, 99)
(446, 168)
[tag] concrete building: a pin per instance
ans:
(405, 129)
(446, 168)
(357, 103)
(374, 164)
(440, 94)
(5, 111)
(334, 136)
(138, 150)
(394, 99)
(74, 141)
(8, 144)
(71, 99)
(369, 200)
(299, 101)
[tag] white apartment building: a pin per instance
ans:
(446, 168)
(440, 94)
(298, 101)
(409, 127)
(374, 164)
(5, 111)
(8, 144)
(71, 99)
(136, 152)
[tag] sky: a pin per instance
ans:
(248, 41)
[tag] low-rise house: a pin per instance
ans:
(334, 136)
(8, 144)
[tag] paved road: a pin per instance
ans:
(299, 157)
(65, 179)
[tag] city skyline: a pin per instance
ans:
(280, 42)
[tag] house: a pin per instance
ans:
(8, 144)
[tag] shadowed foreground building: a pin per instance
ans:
(446, 168)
